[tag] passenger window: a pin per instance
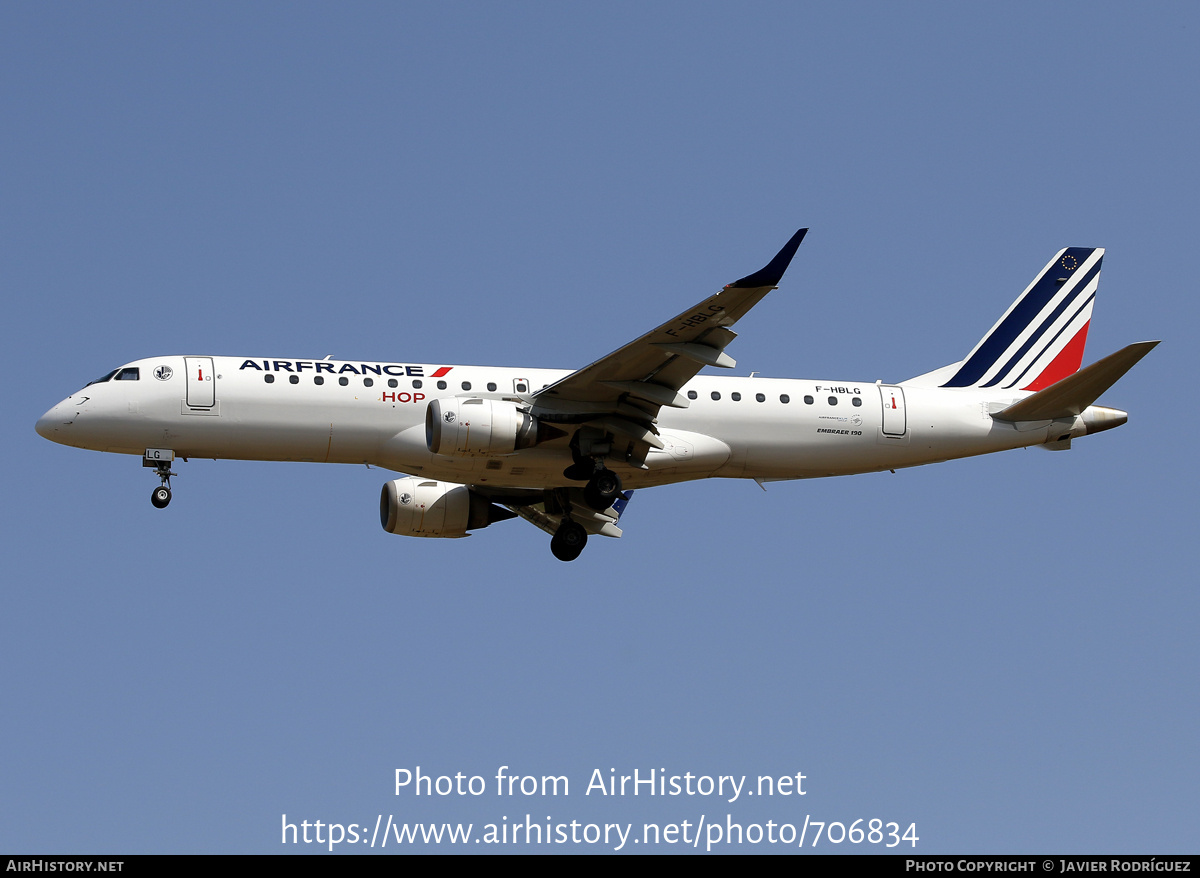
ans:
(293, 379)
(466, 385)
(492, 386)
(392, 382)
(269, 378)
(441, 385)
(317, 379)
(416, 384)
(692, 394)
(735, 396)
(760, 397)
(808, 400)
(856, 401)
(343, 381)
(368, 382)
(833, 400)
(520, 387)
(130, 374)
(716, 395)
(784, 398)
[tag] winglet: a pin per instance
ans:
(773, 272)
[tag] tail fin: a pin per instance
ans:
(1040, 338)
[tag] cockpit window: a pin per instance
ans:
(130, 374)
(101, 380)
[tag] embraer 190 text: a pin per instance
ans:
(564, 450)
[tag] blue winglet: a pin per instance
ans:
(773, 272)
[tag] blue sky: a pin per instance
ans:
(1000, 650)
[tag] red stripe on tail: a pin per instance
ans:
(1066, 363)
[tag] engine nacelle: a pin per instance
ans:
(415, 507)
(467, 427)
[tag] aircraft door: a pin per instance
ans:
(201, 389)
(895, 421)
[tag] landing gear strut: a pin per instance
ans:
(568, 541)
(603, 485)
(161, 461)
(589, 446)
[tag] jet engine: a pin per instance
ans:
(415, 507)
(468, 427)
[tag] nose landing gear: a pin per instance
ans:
(160, 459)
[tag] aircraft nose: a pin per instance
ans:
(53, 424)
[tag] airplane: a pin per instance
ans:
(564, 450)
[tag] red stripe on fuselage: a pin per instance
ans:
(441, 372)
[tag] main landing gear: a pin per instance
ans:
(603, 485)
(568, 541)
(602, 489)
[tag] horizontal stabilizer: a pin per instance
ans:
(1073, 394)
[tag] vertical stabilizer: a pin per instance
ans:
(1041, 337)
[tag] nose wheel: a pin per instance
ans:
(160, 459)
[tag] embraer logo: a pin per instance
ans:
(162, 373)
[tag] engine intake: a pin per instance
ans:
(414, 507)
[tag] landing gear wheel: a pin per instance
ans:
(160, 459)
(602, 489)
(568, 541)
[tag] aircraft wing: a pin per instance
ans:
(549, 519)
(543, 511)
(634, 382)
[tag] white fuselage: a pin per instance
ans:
(374, 413)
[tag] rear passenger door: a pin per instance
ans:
(895, 421)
